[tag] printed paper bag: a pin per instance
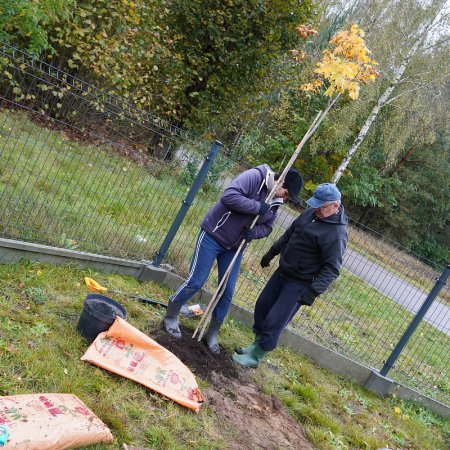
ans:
(127, 351)
(50, 422)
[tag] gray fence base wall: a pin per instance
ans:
(11, 251)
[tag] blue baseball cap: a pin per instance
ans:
(325, 192)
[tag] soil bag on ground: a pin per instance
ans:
(128, 352)
(50, 422)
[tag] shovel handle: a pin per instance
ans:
(141, 299)
(93, 286)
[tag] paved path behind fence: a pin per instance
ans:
(397, 289)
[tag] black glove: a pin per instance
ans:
(263, 208)
(265, 260)
(249, 234)
(307, 297)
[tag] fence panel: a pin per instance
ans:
(80, 168)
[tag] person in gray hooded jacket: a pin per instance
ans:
(311, 252)
(222, 230)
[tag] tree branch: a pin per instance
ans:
(392, 99)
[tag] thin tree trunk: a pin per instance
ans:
(364, 130)
(402, 161)
(363, 216)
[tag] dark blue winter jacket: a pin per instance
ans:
(238, 205)
(311, 250)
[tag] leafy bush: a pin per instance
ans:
(431, 249)
(188, 60)
(27, 22)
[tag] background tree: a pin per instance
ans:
(227, 50)
(27, 23)
(431, 18)
(194, 62)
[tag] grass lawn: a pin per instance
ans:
(40, 351)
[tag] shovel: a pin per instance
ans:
(186, 311)
(93, 286)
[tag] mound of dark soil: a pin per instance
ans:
(196, 355)
(254, 419)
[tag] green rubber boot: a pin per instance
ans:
(248, 349)
(251, 359)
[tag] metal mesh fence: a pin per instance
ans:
(82, 169)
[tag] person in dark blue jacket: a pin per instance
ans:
(222, 230)
(311, 252)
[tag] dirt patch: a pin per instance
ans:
(252, 419)
(255, 419)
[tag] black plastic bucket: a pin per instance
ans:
(98, 315)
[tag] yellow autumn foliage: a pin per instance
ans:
(344, 68)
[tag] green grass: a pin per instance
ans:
(40, 351)
(63, 193)
(67, 193)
